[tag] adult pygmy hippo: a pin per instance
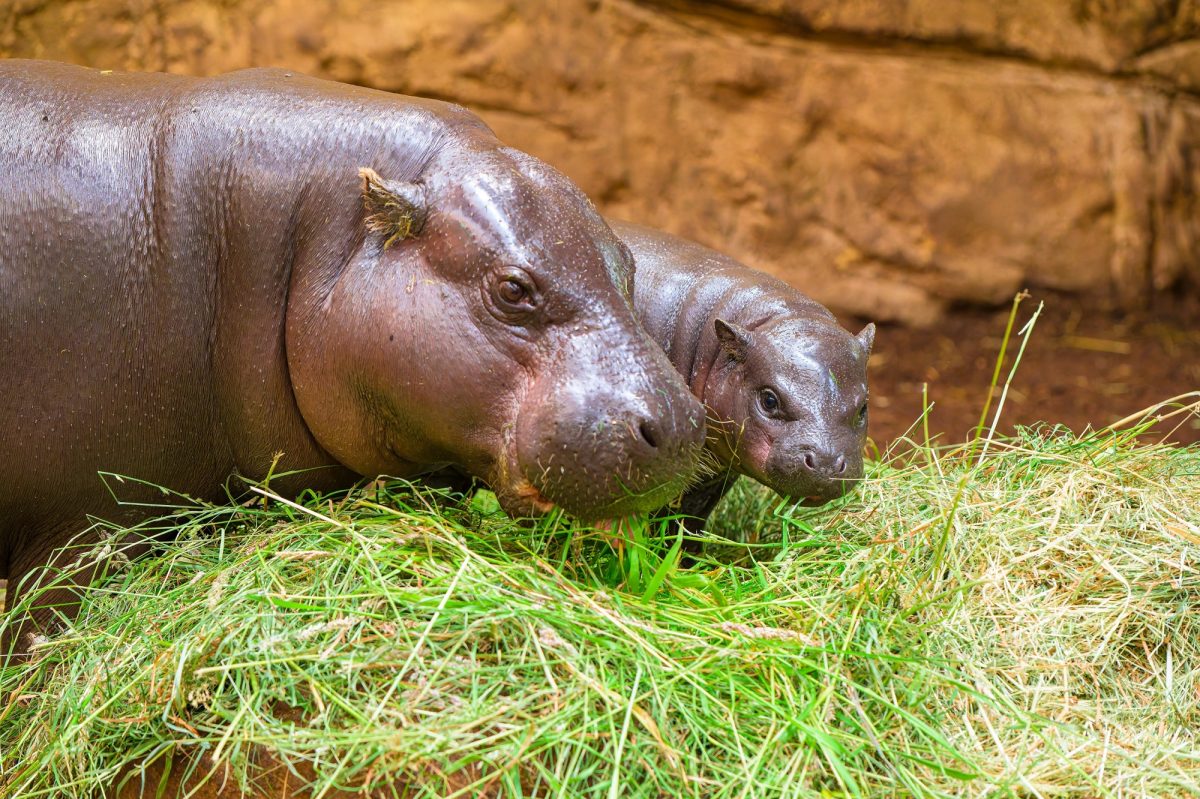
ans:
(198, 274)
(784, 385)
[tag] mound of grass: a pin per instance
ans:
(1023, 621)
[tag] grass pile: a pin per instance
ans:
(1010, 617)
(1020, 622)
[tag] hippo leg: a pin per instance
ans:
(451, 479)
(696, 505)
(49, 569)
(23, 562)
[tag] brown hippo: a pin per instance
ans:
(266, 273)
(785, 386)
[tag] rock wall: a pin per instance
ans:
(890, 157)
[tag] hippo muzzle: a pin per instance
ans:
(602, 447)
(812, 473)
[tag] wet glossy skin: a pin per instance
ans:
(785, 387)
(791, 399)
(198, 276)
(510, 353)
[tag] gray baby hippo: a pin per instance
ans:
(784, 385)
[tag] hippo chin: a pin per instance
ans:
(262, 273)
(784, 385)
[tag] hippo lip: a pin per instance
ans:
(528, 492)
(516, 492)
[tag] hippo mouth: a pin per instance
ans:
(517, 493)
(590, 471)
(527, 492)
(813, 495)
(808, 490)
(808, 493)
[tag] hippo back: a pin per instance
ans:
(147, 225)
(681, 286)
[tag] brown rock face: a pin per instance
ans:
(889, 157)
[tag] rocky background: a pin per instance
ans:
(893, 158)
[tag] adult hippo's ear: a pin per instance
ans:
(866, 338)
(395, 208)
(735, 340)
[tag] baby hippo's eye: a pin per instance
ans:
(861, 418)
(769, 400)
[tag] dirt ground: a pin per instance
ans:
(1083, 366)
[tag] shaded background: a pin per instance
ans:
(910, 161)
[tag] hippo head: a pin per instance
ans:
(789, 401)
(481, 319)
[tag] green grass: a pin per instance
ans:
(1012, 617)
(1021, 624)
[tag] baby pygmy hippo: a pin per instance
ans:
(784, 385)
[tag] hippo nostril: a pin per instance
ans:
(649, 432)
(839, 464)
(810, 460)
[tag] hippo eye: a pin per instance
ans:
(769, 400)
(861, 418)
(513, 292)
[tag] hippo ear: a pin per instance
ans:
(735, 339)
(395, 209)
(866, 337)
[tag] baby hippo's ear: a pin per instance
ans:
(866, 337)
(395, 208)
(735, 340)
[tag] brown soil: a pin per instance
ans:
(1083, 366)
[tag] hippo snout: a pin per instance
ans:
(828, 465)
(668, 429)
(649, 432)
(813, 474)
(601, 451)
